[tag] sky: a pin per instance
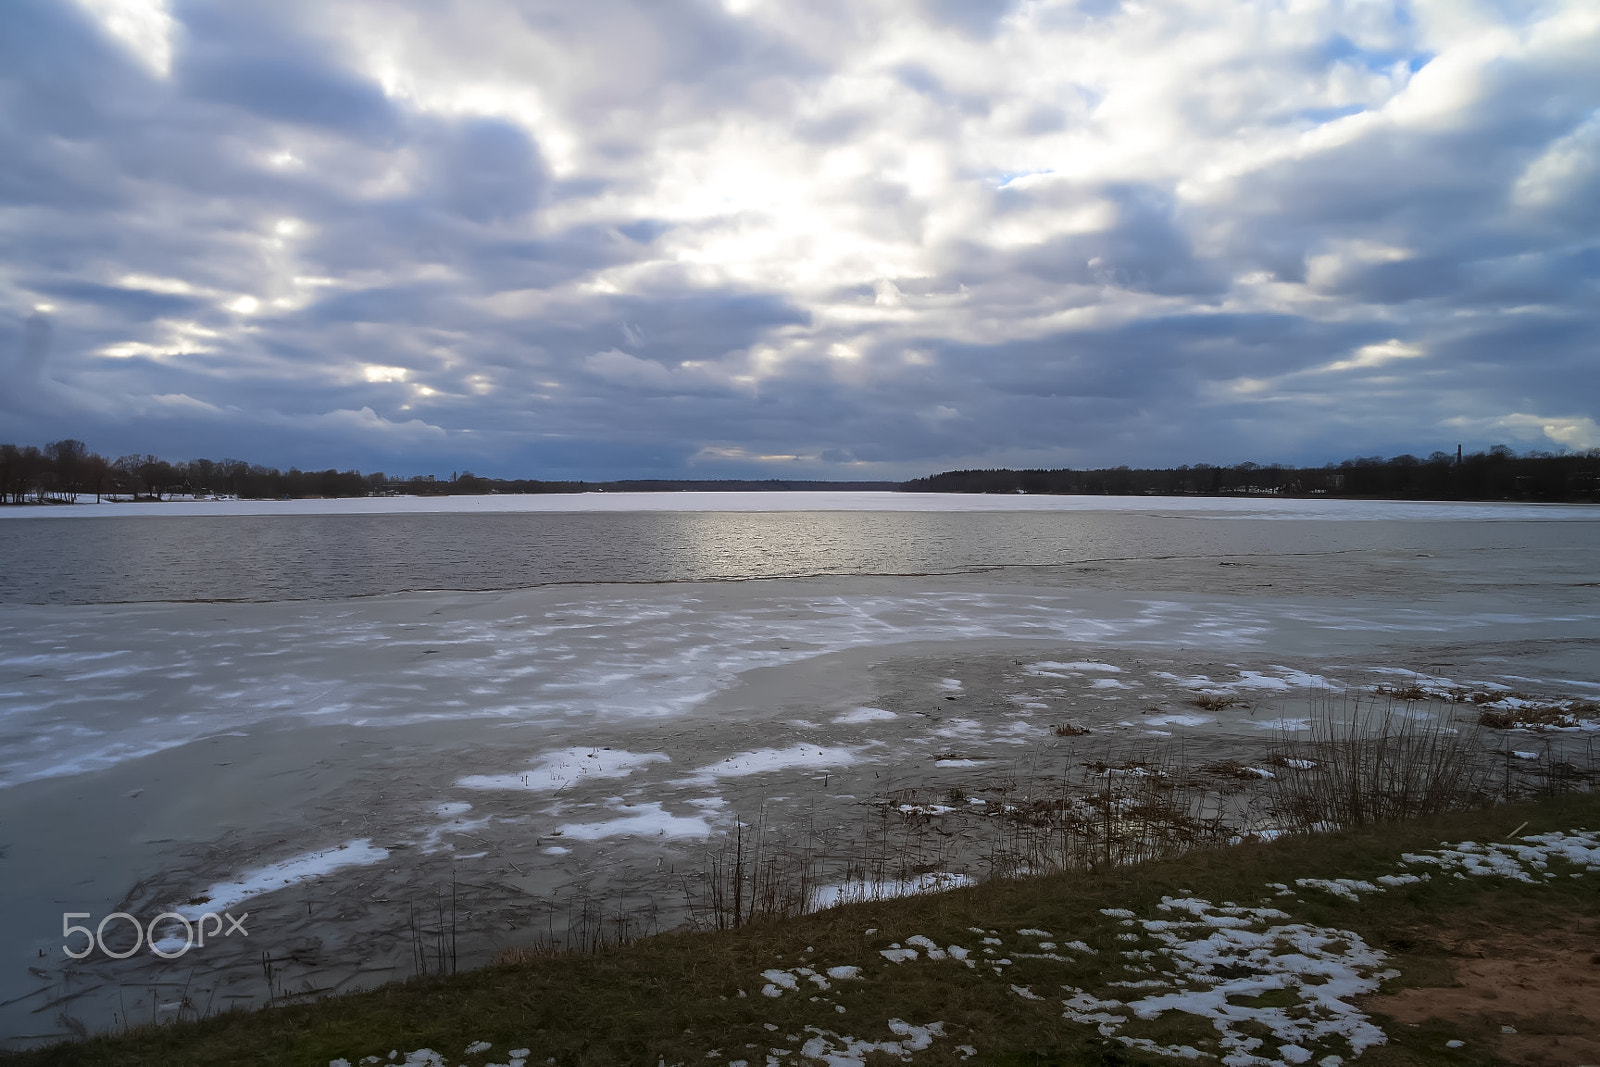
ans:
(853, 239)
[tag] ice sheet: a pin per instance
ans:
(555, 656)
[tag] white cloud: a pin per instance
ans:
(1568, 168)
(1377, 355)
(1569, 431)
(144, 27)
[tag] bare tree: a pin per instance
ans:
(67, 460)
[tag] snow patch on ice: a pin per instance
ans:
(767, 760)
(557, 770)
(1286, 725)
(647, 820)
(303, 868)
(865, 715)
(1173, 719)
(1053, 669)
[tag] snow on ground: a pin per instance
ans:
(1526, 859)
(1200, 958)
(556, 770)
(1222, 953)
(836, 1050)
(1275, 992)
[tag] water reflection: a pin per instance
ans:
(277, 557)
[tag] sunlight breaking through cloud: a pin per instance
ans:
(630, 238)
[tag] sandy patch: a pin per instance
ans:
(1544, 986)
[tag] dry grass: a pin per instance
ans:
(1376, 762)
(1410, 694)
(1566, 717)
(1230, 768)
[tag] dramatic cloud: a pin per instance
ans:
(874, 239)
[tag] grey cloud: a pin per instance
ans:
(398, 304)
(232, 55)
(137, 305)
(976, 17)
(36, 335)
(488, 170)
(1146, 249)
(434, 226)
(293, 90)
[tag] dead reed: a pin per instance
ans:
(1370, 761)
(1093, 804)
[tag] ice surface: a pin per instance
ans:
(540, 656)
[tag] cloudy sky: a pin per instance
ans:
(838, 238)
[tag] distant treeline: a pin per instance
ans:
(63, 471)
(1498, 474)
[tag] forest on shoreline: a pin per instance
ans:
(64, 471)
(1498, 474)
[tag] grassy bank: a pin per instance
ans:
(678, 998)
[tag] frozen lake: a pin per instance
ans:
(328, 714)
